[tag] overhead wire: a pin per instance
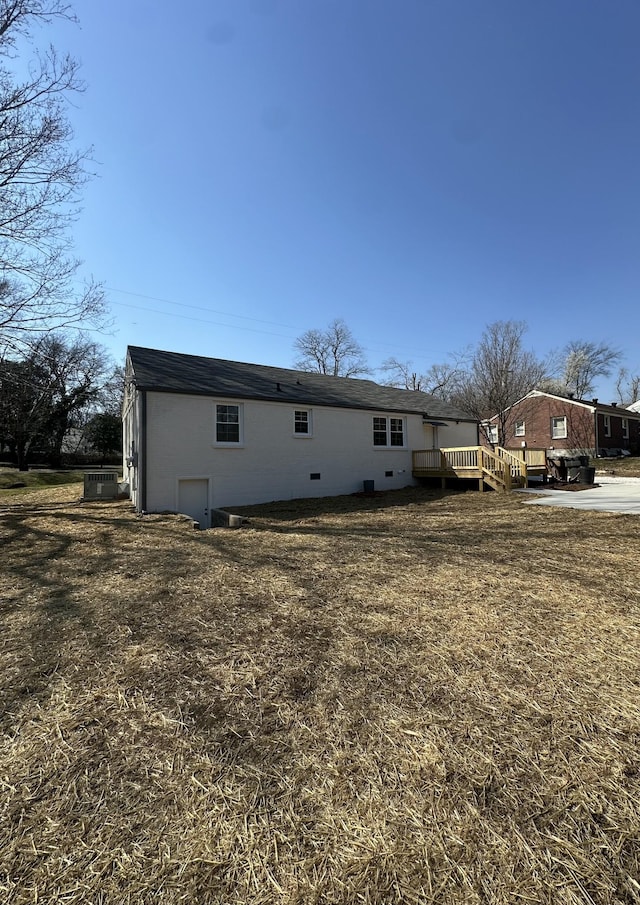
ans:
(229, 314)
(200, 320)
(155, 298)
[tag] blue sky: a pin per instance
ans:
(420, 168)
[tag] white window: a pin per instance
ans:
(228, 424)
(625, 428)
(607, 425)
(491, 430)
(302, 423)
(519, 429)
(388, 431)
(559, 428)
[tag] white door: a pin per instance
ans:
(193, 499)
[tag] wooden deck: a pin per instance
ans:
(535, 459)
(501, 469)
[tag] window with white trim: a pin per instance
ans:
(559, 428)
(491, 430)
(302, 423)
(607, 425)
(625, 428)
(519, 429)
(228, 424)
(388, 432)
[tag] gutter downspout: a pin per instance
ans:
(142, 473)
(595, 429)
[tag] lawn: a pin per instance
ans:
(628, 467)
(16, 481)
(416, 697)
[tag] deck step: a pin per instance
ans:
(494, 481)
(501, 469)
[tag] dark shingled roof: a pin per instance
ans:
(173, 372)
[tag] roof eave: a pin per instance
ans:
(291, 400)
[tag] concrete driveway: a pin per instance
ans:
(613, 495)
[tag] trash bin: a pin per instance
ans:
(368, 486)
(557, 468)
(587, 474)
(573, 466)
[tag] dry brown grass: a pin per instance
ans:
(627, 468)
(421, 697)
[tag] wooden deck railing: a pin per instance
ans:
(495, 469)
(452, 460)
(460, 458)
(501, 468)
(428, 460)
(535, 458)
(514, 462)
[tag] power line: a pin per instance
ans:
(370, 348)
(154, 298)
(200, 320)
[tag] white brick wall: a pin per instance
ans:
(273, 463)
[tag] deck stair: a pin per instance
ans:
(501, 469)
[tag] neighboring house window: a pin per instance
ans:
(388, 431)
(491, 431)
(607, 425)
(519, 431)
(559, 428)
(302, 423)
(228, 424)
(625, 428)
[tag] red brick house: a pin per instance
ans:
(567, 426)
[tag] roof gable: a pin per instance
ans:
(174, 372)
(592, 404)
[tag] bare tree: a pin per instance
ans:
(580, 364)
(40, 178)
(112, 390)
(501, 372)
(332, 351)
(439, 380)
(78, 369)
(48, 391)
(401, 374)
(628, 387)
(24, 408)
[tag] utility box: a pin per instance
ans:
(100, 485)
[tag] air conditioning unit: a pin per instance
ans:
(100, 485)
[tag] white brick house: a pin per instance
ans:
(203, 433)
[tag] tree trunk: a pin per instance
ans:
(22, 456)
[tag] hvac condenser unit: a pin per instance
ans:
(100, 485)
